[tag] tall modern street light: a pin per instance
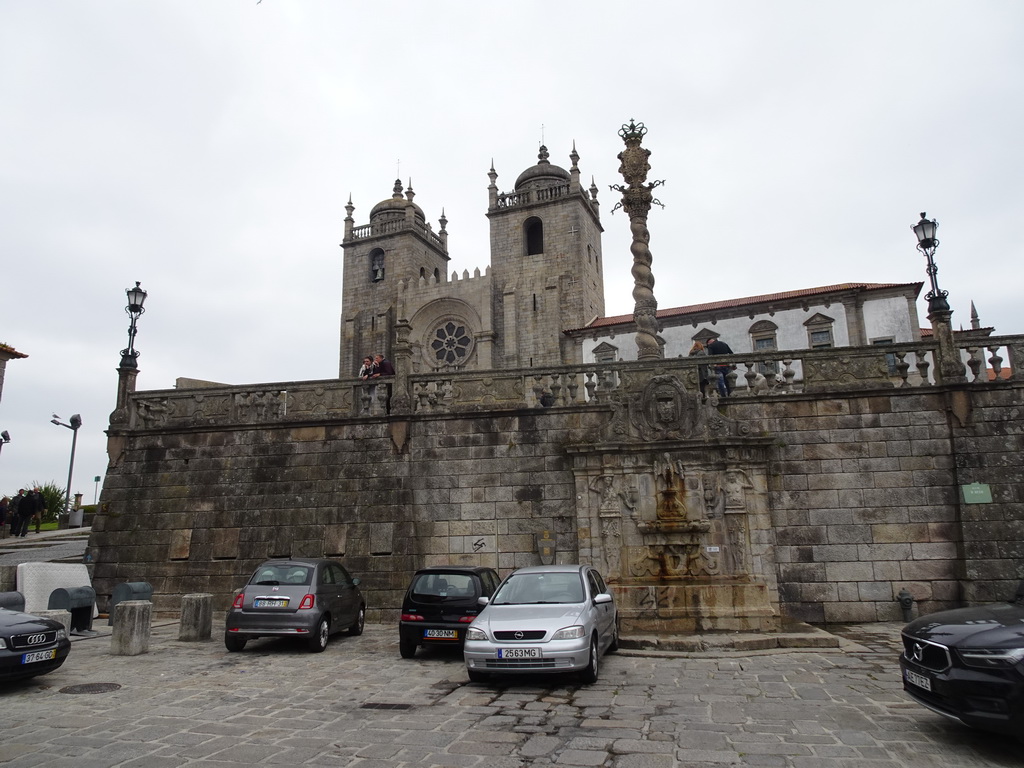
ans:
(76, 422)
(136, 298)
(5, 437)
(927, 244)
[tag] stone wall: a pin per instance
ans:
(863, 492)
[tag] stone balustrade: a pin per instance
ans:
(766, 374)
(390, 227)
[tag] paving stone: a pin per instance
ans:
(275, 704)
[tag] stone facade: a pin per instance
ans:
(848, 494)
(544, 276)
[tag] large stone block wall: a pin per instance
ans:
(863, 494)
(990, 450)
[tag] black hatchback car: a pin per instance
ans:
(440, 603)
(968, 665)
(30, 645)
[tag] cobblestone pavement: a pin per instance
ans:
(360, 704)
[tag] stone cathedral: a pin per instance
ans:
(871, 459)
(545, 277)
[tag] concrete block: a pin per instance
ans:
(196, 622)
(64, 617)
(132, 620)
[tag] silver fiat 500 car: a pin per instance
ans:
(303, 598)
(548, 618)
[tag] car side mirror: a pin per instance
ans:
(355, 581)
(483, 600)
(604, 597)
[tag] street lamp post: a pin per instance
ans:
(136, 299)
(950, 368)
(927, 244)
(129, 367)
(76, 422)
(5, 437)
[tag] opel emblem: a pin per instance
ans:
(519, 634)
(917, 653)
(35, 639)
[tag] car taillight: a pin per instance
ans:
(466, 619)
(238, 600)
(307, 602)
(412, 617)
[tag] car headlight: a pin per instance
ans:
(991, 657)
(569, 633)
(62, 634)
(3, 644)
(475, 634)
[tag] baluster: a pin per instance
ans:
(996, 362)
(749, 375)
(902, 368)
(574, 388)
(788, 374)
(538, 389)
(364, 398)
(922, 369)
(591, 387)
(974, 362)
(421, 397)
(447, 394)
(556, 389)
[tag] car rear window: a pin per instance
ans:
(283, 574)
(438, 587)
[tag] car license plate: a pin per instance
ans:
(29, 658)
(919, 680)
(270, 602)
(519, 653)
(441, 634)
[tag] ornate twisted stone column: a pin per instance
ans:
(636, 202)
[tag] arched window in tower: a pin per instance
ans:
(437, 274)
(533, 228)
(376, 265)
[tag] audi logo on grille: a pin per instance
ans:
(35, 639)
(519, 635)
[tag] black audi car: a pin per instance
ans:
(30, 645)
(968, 665)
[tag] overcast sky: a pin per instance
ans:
(207, 148)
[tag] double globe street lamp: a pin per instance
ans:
(76, 422)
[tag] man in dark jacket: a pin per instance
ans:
(39, 505)
(718, 347)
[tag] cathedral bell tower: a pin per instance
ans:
(397, 245)
(546, 263)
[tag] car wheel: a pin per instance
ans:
(613, 646)
(476, 677)
(318, 642)
(407, 648)
(589, 675)
(360, 622)
(234, 642)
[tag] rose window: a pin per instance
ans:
(451, 344)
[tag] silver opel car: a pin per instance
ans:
(548, 618)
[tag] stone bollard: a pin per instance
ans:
(196, 617)
(64, 617)
(131, 628)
